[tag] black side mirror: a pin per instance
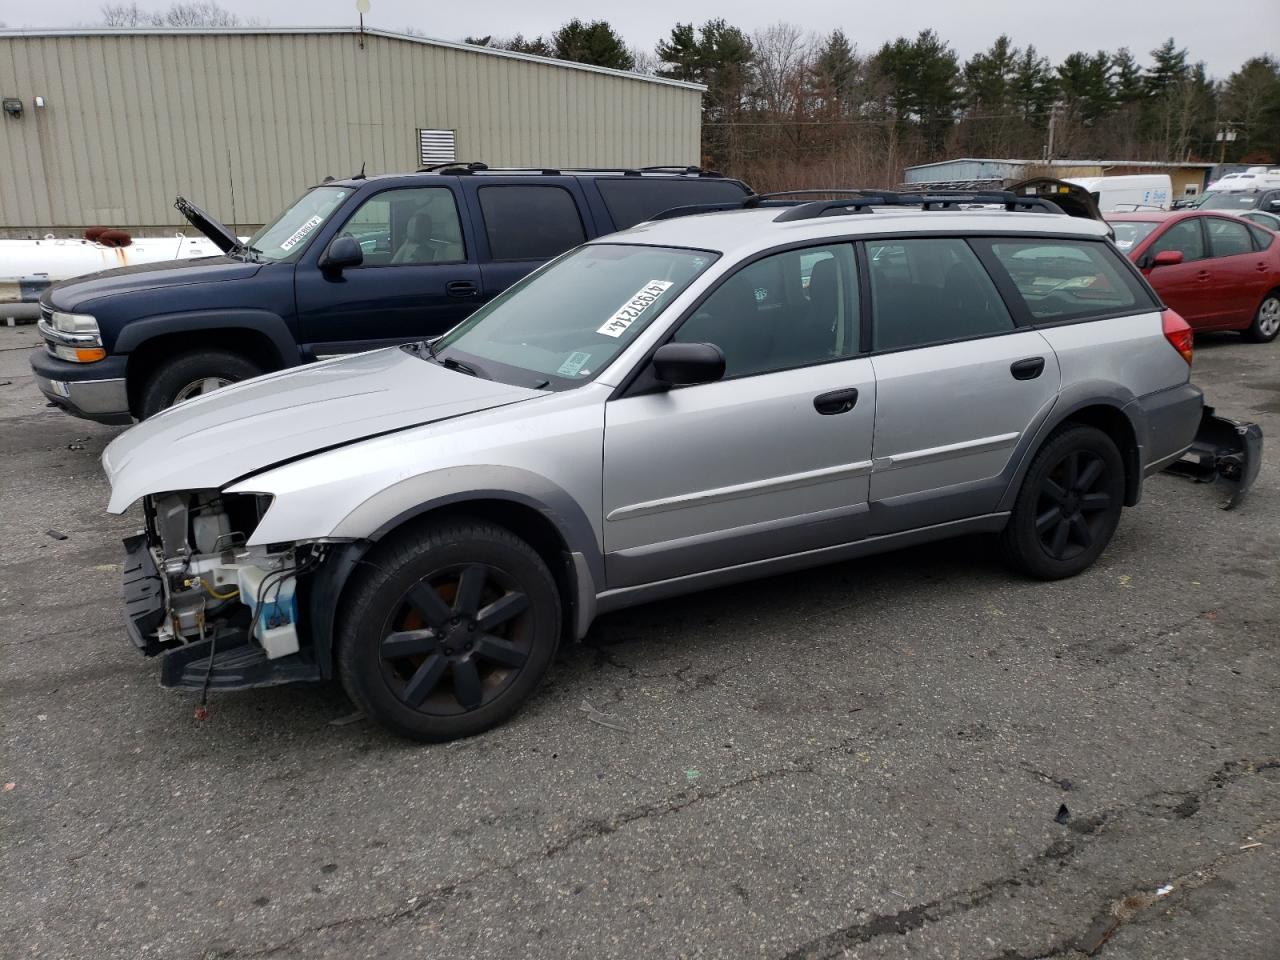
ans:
(342, 253)
(684, 364)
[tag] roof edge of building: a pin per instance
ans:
(13, 33)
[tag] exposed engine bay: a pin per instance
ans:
(213, 587)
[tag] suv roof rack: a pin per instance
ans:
(467, 168)
(861, 200)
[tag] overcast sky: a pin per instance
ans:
(1223, 35)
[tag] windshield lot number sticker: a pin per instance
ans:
(630, 311)
(300, 234)
(572, 365)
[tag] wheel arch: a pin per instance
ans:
(575, 562)
(258, 335)
(1117, 414)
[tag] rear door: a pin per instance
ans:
(418, 279)
(520, 224)
(771, 460)
(958, 383)
(1241, 273)
(1188, 286)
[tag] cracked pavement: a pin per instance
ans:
(865, 760)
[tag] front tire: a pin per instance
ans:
(191, 375)
(448, 630)
(1069, 505)
(1266, 322)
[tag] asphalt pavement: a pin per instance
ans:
(917, 755)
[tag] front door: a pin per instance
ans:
(957, 383)
(773, 459)
(417, 279)
(1187, 286)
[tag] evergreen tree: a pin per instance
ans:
(1126, 77)
(1034, 86)
(989, 77)
(834, 74)
(923, 77)
(1085, 82)
(1251, 105)
(1168, 69)
(595, 43)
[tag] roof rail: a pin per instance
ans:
(863, 200)
(464, 168)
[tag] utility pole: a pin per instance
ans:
(1053, 120)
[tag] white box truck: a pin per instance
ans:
(1138, 191)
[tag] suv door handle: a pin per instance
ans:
(461, 288)
(837, 401)
(1027, 369)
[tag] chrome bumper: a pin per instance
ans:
(104, 400)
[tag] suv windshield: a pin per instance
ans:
(559, 326)
(287, 234)
(1223, 200)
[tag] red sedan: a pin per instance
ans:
(1218, 271)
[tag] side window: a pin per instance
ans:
(1185, 236)
(788, 310)
(1228, 238)
(930, 291)
(414, 226)
(633, 199)
(530, 223)
(1070, 279)
(1261, 238)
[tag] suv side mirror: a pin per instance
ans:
(1167, 258)
(685, 364)
(342, 253)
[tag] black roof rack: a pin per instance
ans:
(860, 200)
(464, 168)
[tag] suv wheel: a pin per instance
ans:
(448, 630)
(192, 374)
(1266, 322)
(1069, 505)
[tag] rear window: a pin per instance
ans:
(632, 200)
(1070, 279)
(530, 223)
(1221, 200)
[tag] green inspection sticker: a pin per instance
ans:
(576, 361)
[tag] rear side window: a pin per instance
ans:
(930, 291)
(1184, 236)
(530, 223)
(632, 200)
(1261, 238)
(1228, 238)
(1070, 279)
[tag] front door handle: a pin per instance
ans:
(462, 288)
(837, 401)
(1027, 369)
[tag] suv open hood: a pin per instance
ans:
(207, 442)
(222, 237)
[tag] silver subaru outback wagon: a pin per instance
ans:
(692, 402)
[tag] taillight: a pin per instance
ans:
(1178, 332)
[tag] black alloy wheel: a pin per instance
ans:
(446, 629)
(1068, 506)
(456, 639)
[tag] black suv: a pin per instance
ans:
(352, 265)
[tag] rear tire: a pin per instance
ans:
(1069, 505)
(448, 630)
(192, 374)
(1266, 322)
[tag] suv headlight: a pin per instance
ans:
(80, 323)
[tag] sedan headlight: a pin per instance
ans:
(80, 323)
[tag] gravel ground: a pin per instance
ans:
(865, 760)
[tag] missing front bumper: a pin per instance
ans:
(1227, 451)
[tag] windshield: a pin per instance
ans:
(287, 234)
(1130, 233)
(1221, 200)
(561, 325)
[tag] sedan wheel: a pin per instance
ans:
(446, 630)
(1266, 324)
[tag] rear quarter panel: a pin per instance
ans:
(1129, 355)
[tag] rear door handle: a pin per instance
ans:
(461, 288)
(837, 401)
(1203, 276)
(1027, 369)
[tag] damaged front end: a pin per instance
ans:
(223, 614)
(1228, 451)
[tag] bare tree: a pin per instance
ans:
(194, 13)
(128, 15)
(782, 58)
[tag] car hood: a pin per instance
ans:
(72, 294)
(207, 442)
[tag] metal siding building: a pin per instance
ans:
(244, 119)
